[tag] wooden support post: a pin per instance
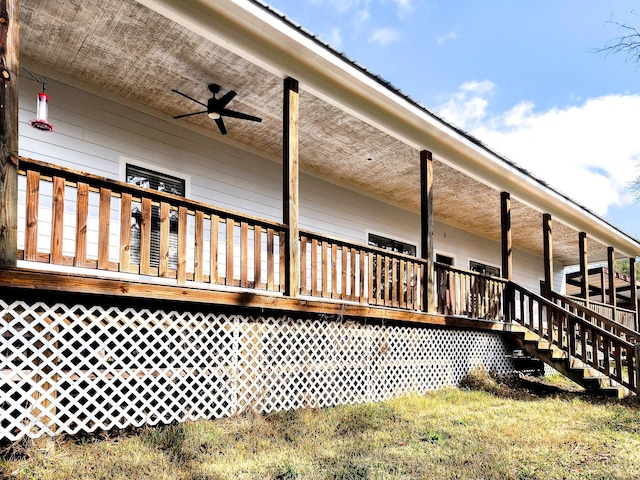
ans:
(547, 240)
(426, 209)
(507, 244)
(290, 185)
(584, 267)
(636, 351)
(611, 277)
(633, 292)
(9, 69)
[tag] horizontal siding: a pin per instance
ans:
(93, 133)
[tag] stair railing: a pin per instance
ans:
(596, 318)
(604, 350)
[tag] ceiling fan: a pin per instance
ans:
(216, 108)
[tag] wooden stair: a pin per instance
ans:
(584, 375)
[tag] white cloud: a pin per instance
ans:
(452, 35)
(405, 8)
(385, 36)
(334, 38)
(589, 152)
(468, 106)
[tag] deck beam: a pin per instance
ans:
(13, 280)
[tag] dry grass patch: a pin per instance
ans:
(491, 428)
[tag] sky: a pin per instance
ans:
(525, 78)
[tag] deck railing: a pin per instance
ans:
(463, 292)
(332, 268)
(610, 352)
(622, 316)
(82, 220)
(596, 318)
(74, 219)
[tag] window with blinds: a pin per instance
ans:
(162, 182)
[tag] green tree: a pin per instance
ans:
(622, 266)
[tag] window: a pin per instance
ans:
(162, 182)
(484, 269)
(391, 244)
(444, 259)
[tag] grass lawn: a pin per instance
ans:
(487, 429)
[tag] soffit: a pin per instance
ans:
(124, 48)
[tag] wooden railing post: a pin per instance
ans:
(290, 186)
(507, 244)
(636, 350)
(633, 293)
(547, 240)
(584, 267)
(9, 68)
(426, 196)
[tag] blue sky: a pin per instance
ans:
(523, 77)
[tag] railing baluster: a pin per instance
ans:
(145, 237)
(230, 225)
(244, 254)
(125, 233)
(31, 218)
(606, 347)
(103, 229)
(303, 265)
(314, 268)
(282, 244)
(257, 258)
(198, 266)
(335, 293)
(82, 214)
(182, 245)
(344, 260)
(354, 267)
(362, 292)
(57, 220)
(270, 259)
(163, 253)
(214, 241)
(325, 268)
(403, 280)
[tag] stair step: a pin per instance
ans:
(577, 370)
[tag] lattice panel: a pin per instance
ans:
(75, 368)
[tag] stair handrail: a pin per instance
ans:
(632, 335)
(573, 320)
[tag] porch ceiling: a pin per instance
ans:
(126, 49)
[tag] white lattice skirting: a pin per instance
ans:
(72, 368)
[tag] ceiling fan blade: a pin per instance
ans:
(189, 114)
(225, 112)
(221, 127)
(190, 98)
(225, 99)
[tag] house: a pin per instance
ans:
(175, 251)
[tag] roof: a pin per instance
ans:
(140, 50)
